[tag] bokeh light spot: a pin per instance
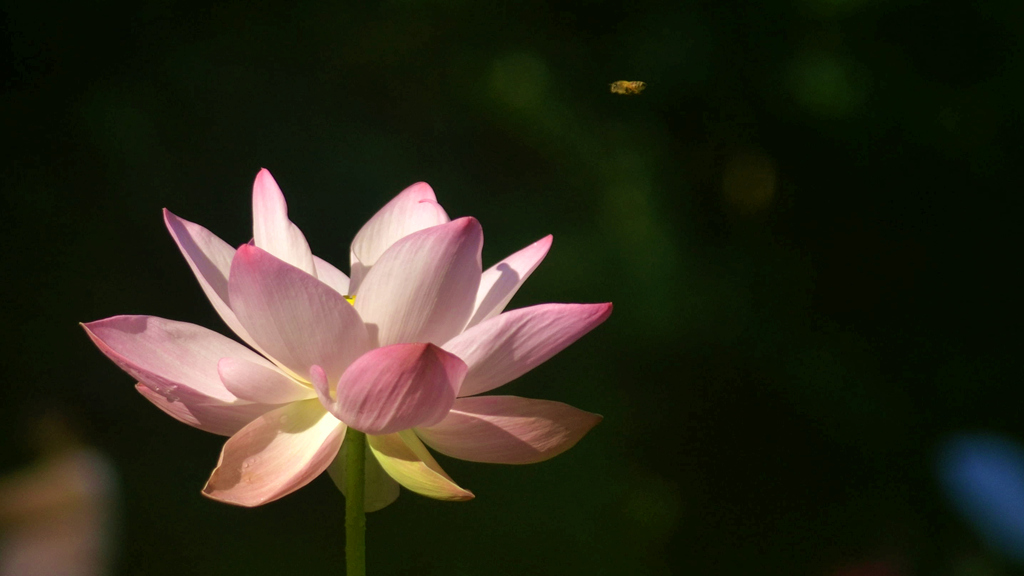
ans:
(983, 475)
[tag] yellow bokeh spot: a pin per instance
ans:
(351, 299)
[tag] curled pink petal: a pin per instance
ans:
(260, 382)
(296, 319)
(500, 282)
(509, 345)
(508, 429)
(407, 460)
(414, 209)
(397, 387)
(205, 413)
(276, 454)
(424, 287)
(272, 230)
(331, 276)
(209, 257)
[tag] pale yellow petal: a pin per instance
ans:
(407, 460)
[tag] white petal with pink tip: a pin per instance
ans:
(209, 257)
(508, 429)
(272, 230)
(500, 282)
(414, 209)
(297, 320)
(168, 356)
(509, 345)
(424, 287)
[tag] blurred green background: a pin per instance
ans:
(806, 224)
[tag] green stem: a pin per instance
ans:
(355, 516)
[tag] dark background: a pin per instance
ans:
(808, 224)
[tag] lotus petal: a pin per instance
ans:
(169, 356)
(414, 209)
(260, 382)
(407, 460)
(276, 454)
(396, 387)
(380, 490)
(424, 287)
(331, 276)
(508, 429)
(298, 320)
(205, 413)
(272, 230)
(509, 345)
(209, 257)
(500, 282)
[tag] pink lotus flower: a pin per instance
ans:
(399, 351)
